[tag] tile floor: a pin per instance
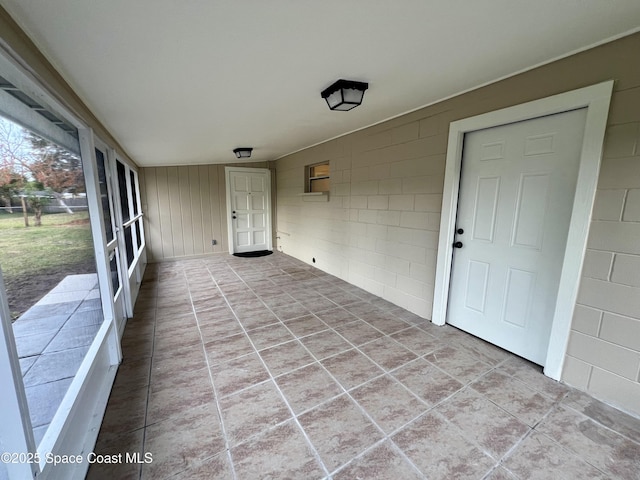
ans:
(266, 368)
(52, 338)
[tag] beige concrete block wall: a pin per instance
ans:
(379, 227)
(185, 208)
(603, 355)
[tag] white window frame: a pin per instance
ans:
(75, 426)
(309, 178)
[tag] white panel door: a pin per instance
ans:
(249, 200)
(514, 207)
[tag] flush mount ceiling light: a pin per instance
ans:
(243, 152)
(344, 94)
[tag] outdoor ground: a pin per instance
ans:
(35, 259)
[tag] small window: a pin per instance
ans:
(318, 177)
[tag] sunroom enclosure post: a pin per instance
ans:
(16, 433)
(92, 185)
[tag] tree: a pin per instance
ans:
(56, 168)
(26, 157)
(13, 157)
(37, 197)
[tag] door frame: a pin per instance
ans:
(227, 172)
(596, 100)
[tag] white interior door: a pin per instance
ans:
(514, 208)
(249, 205)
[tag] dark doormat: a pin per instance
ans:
(259, 253)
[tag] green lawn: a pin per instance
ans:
(62, 240)
(35, 259)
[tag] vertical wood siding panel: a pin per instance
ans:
(164, 214)
(150, 208)
(175, 212)
(204, 194)
(186, 214)
(222, 206)
(195, 199)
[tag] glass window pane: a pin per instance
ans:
(104, 195)
(124, 198)
(128, 242)
(320, 170)
(113, 266)
(134, 192)
(138, 234)
(320, 185)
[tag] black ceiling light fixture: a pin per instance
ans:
(344, 95)
(243, 152)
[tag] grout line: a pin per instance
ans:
(314, 452)
(213, 386)
(146, 407)
(363, 411)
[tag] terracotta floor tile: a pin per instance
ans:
(257, 319)
(485, 351)
(237, 374)
(307, 387)
(325, 344)
(336, 317)
(458, 364)
(599, 446)
(514, 396)
(339, 431)
(426, 381)
(351, 368)
(382, 463)
(388, 353)
(279, 453)
(290, 311)
(387, 324)
(269, 336)
(286, 357)
(538, 455)
(483, 422)
(214, 468)
(453, 406)
(417, 340)
(388, 403)
(440, 451)
(502, 474)
(182, 441)
(173, 401)
(359, 332)
(306, 325)
(604, 414)
(166, 378)
(125, 411)
(224, 349)
(185, 359)
(114, 444)
(531, 375)
(251, 411)
(212, 331)
(215, 315)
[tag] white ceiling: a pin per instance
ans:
(185, 82)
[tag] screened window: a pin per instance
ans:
(318, 177)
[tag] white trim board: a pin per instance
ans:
(596, 99)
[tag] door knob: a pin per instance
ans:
(234, 216)
(457, 245)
